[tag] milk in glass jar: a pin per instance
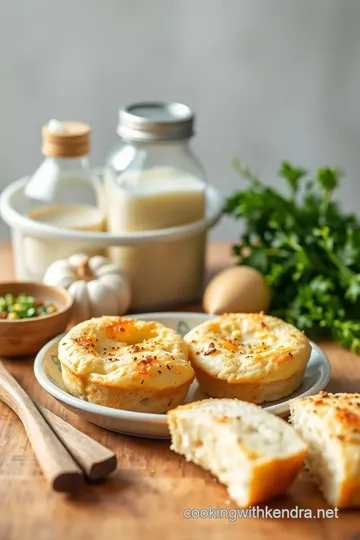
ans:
(154, 181)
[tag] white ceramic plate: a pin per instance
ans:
(48, 373)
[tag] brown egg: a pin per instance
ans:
(239, 289)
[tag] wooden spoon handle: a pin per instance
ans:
(58, 466)
(96, 460)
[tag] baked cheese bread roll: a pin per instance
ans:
(253, 357)
(126, 364)
(257, 455)
(330, 425)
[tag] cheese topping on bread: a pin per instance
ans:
(106, 354)
(242, 346)
(249, 356)
(330, 424)
(255, 454)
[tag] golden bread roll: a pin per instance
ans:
(330, 425)
(251, 356)
(257, 455)
(126, 364)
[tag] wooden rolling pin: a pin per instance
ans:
(54, 445)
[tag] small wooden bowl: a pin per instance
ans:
(24, 337)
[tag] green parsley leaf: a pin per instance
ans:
(307, 248)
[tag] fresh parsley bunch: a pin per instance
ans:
(307, 248)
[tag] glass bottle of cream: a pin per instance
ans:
(63, 192)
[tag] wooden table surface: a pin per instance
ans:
(147, 495)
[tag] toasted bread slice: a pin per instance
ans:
(255, 454)
(330, 425)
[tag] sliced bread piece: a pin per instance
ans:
(330, 425)
(255, 454)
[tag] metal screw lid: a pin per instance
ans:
(155, 121)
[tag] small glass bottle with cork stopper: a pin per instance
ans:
(63, 192)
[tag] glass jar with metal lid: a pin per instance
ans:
(154, 181)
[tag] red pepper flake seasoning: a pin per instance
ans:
(197, 353)
(351, 419)
(168, 367)
(291, 355)
(86, 342)
(147, 360)
(134, 348)
(212, 345)
(142, 381)
(114, 327)
(263, 325)
(318, 402)
(159, 371)
(209, 351)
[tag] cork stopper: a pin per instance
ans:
(65, 139)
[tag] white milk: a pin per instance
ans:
(70, 216)
(161, 273)
(39, 253)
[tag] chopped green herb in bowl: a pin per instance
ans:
(22, 306)
(30, 315)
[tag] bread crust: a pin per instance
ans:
(275, 477)
(330, 424)
(150, 401)
(255, 392)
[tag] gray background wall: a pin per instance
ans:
(269, 79)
